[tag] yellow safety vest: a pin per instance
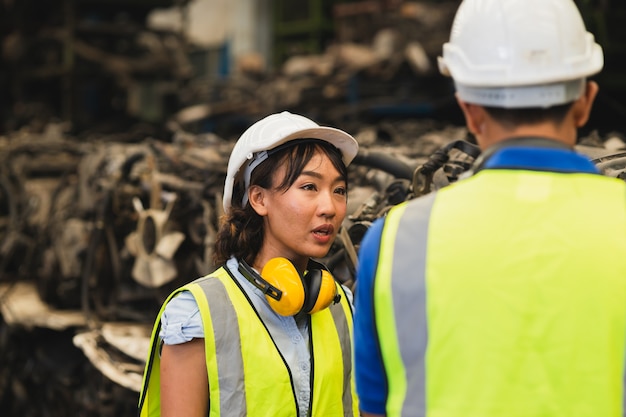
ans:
(505, 295)
(250, 354)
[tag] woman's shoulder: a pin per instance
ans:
(183, 301)
(181, 320)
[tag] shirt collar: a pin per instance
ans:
(538, 154)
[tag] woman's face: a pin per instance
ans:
(302, 222)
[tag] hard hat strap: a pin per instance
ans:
(255, 162)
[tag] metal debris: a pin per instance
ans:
(98, 223)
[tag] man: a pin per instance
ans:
(503, 294)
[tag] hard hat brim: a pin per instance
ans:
(277, 130)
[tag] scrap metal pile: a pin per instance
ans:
(96, 228)
(95, 233)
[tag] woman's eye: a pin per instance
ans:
(340, 190)
(309, 187)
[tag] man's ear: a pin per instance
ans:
(474, 116)
(256, 199)
(582, 107)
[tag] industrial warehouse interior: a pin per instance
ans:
(117, 119)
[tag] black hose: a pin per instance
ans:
(384, 162)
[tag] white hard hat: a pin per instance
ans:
(274, 130)
(520, 53)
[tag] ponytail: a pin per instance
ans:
(240, 234)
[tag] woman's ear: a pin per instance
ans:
(256, 199)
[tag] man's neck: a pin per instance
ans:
(496, 134)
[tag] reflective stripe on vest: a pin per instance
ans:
(462, 271)
(247, 374)
(404, 350)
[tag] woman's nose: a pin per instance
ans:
(327, 204)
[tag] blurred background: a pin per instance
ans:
(116, 121)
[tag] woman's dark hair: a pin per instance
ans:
(241, 230)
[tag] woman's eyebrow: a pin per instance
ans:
(312, 174)
(319, 176)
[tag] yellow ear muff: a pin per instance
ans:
(287, 292)
(323, 290)
(281, 273)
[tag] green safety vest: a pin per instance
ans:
(264, 386)
(504, 295)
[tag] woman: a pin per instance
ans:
(270, 330)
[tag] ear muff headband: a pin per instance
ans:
(268, 289)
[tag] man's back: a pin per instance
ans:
(505, 293)
(526, 315)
